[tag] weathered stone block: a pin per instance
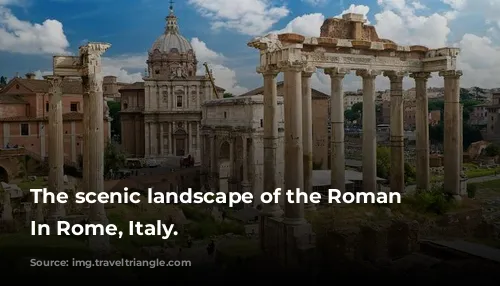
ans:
(402, 238)
(291, 245)
(329, 42)
(460, 223)
(359, 44)
(340, 244)
(374, 242)
(291, 38)
(417, 48)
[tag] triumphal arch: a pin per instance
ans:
(346, 45)
(87, 67)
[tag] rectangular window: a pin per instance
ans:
(179, 101)
(25, 129)
(262, 123)
(46, 107)
(74, 107)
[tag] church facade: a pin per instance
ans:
(161, 117)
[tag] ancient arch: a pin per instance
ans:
(224, 150)
(4, 175)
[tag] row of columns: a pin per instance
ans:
(93, 144)
(152, 129)
(298, 133)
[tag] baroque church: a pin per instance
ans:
(161, 117)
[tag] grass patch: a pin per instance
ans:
(492, 185)
(26, 185)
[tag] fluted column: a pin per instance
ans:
(369, 130)
(170, 135)
(307, 132)
(337, 155)
(190, 138)
(422, 130)
(85, 155)
(198, 144)
(56, 143)
(97, 213)
(451, 132)
(397, 132)
(270, 139)
(147, 140)
(294, 162)
(461, 138)
(162, 143)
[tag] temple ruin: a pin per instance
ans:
(346, 45)
(87, 66)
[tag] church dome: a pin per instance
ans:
(167, 42)
(171, 40)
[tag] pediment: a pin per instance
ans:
(16, 87)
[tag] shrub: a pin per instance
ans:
(434, 201)
(471, 190)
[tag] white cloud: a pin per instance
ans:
(23, 37)
(119, 66)
(315, 2)
(249, 17)
(224, 76)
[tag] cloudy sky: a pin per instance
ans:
(31, 31)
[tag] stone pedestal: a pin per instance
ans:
(7, 207)
(292, 246)
(463, 186)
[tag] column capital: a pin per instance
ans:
(55, 82)
(336, 72)
(395, 76)
(451, 74)
(94, 48)
(288, 66)
(420, 75)
(271, 70)
(308, 71)
(368, 73)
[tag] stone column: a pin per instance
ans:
(422, 132)
(461, 138)
(397, 132)
(451, 132)
(189, 127)
(245, 184)
(147, 140)
(170, 135)
(270, 139)
(213, 164)
(307, 133)
(337, 155)
(231, 159)
(186, 142)
(85, 131)
(174, 144)
(162, 143)
(369, 130)
(97, 213)
(198, 145)
(294, 162)
(56, 144)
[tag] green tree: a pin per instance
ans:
(384, 166)
(492, 150)
(3, 81)
(114, 159)
(350, 115)
(114, 113)
(227, 95)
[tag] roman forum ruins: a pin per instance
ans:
(346, 45)
(87, 66)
